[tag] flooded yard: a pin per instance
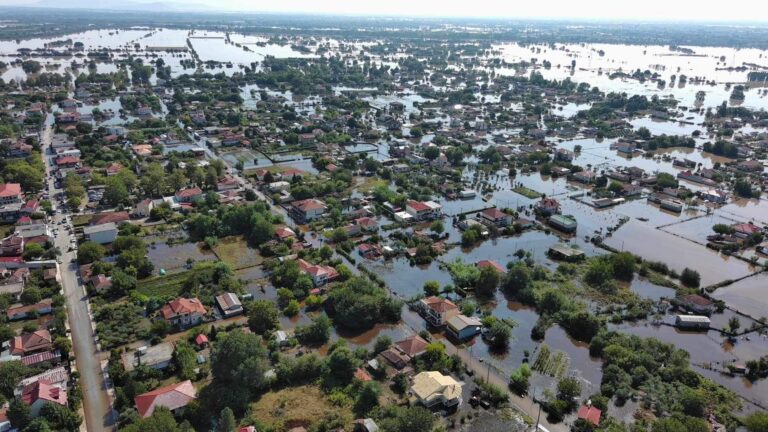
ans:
(176, 257)
(709, 350)
(678, 253)
(749, 295)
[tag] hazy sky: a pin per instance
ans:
(675, 10)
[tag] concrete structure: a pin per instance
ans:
(548, 207)
(437, 311)
(463, 327)
(320, 274)
(102, 234)
(308, 210)
(566, 253)
(183, 312)
(694, 322)
(695, 303)
(156, 356)
(494, 216)
(433, 388)
(563, 223)
(229, 304)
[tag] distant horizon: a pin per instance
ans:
(656, 11)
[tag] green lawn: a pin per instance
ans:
(235, 252)
(163, 286)
(526, 192)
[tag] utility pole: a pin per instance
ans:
(538, 416)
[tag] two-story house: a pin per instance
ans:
(183, 312)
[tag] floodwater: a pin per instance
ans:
(749, 295)
(678, 253)
(174, 257)
(709, 352)
(678, 244)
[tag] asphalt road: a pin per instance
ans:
(99, 415)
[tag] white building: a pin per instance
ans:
(102, 234)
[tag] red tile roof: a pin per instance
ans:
(746, 228)
(308, 204)
(189, 193)
(412, 346)
(439, 304)
(43, 390)
(182, 306)
(696, 300)
(491, 263)
(284, 232)
(201, 339)
(8, 190)
(30, 342)
(173, 397)
(417, 205)
(317, 270)
(590, 414)
(67, 160)
(494, 213)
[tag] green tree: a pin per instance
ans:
(690, 278)
(115, 192)
(692, 402)
(723, 229)
(382, 344)
(367, 398)
(519, 380)
(669, 424)
(624, 265)
(33, 251)
(487, 281)
(89, 252)
(568, 390)
(184, 360)
(227, 422)
(437, 227)
(61, 418)
(518, 278)
(38, 425)
(316, 333)
(340, 367)
(411, 419)
(432, 152)
(666, 180)
(599, 272)
(359, 304)
(161, 420)
(431, 288)
(733, 324)
(11, 373)
(238, 363)
(292, 308)
(122, 283)
(498, 334)
(756, 422)
(263, 316)
(19, 413)
(153, 180)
